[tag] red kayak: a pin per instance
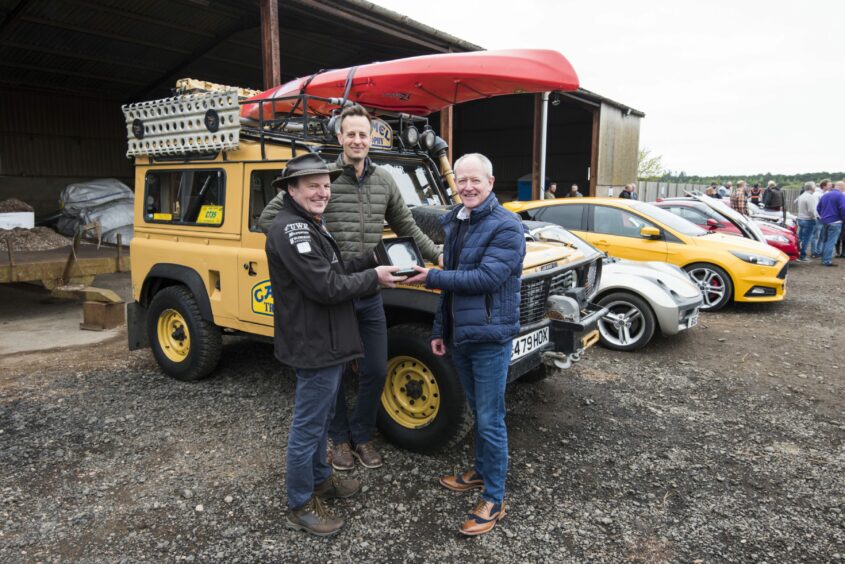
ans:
(422, 85)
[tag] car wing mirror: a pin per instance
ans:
(712, 224)
(650, 233)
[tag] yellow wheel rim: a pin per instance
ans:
(173, 335)
(411, 395)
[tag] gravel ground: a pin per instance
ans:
(724, 444)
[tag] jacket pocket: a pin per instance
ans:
(488, 307)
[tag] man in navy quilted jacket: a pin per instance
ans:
(477, 319)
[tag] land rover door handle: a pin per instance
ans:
(250, 268)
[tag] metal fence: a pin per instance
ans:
(650, 191)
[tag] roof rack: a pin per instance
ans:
(205, 122)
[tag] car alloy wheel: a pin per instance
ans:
(628, 324)
(715, 285)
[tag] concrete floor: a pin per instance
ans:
(32, 320)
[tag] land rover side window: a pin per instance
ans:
(614, 221)
(415, 183)
(194, 197)
(261, 192)
(565, 216)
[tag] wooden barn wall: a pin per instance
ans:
(619, 141)
(48, 141)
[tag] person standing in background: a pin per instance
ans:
(807, 219)
(831, 213)
(738, 201)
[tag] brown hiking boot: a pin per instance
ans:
(469, 480)
(314, 518)
(342, 457)
(337, 487)
(483, 518)
(367, 455)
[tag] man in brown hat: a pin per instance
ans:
(316, 332)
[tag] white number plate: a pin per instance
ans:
(693, 320)
(530, 342)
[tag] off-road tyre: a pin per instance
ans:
(410, 358)
(427, 219)
(195, 361)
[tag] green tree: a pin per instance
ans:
(649, 167)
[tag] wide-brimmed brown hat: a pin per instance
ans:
(304, 165)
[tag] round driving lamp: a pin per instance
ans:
(427, 138)
(410, 136)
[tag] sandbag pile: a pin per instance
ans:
(107, 201)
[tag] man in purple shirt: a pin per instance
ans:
(831, 210)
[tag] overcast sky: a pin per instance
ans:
(728, 87)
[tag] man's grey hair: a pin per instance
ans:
(485, 163)
(840, 185)
(809, 186)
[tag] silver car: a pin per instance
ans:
(642, 298)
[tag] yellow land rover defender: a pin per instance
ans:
(199, 272)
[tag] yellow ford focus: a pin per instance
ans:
(725, 267)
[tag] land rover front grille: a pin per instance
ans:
(535, 290)
(563, 282)
(532, 302)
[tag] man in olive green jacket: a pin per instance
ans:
(363, 197)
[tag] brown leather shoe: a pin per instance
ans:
(314, 518)
(469, 480)
(337, 487)
(367, 455)
(342, 457)
(483, 518)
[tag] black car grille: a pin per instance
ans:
(563, 282)
(782, 273)
(532, 301)
(535, 290)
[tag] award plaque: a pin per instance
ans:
(402, 252)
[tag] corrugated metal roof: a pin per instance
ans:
(126, 49)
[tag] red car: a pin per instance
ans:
(718, 216)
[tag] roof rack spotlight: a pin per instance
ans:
(427, 138)
(410, 136)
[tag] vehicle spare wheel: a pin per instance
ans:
(428, 220)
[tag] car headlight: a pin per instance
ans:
(754, 259)
(777, 239)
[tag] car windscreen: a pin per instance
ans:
(415, 181)
(669, 219)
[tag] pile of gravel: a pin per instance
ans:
(36, 239)
(14, 205)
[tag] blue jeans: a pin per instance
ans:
(483, 370)
(372, 371)
(313, 406)
(817, 239)
(806, 228)
(830, 235)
